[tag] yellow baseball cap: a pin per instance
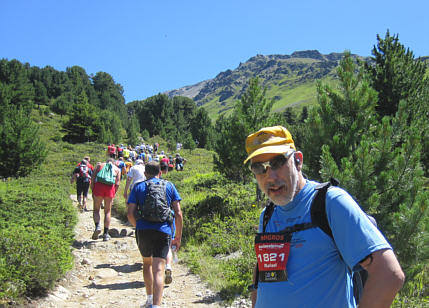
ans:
(272, 140)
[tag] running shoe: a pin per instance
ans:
(96, 233)
(106, 237)
(168, 276)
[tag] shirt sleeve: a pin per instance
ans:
(132, 197)
(355, 235)
(130, 172)
(172, 193)
(138, 193)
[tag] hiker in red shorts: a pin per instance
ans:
(104, 193)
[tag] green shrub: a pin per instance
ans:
(33, 258)
(37, 219)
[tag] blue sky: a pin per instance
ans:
(151, 46)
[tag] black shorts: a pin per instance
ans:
(153, 243)
(82, 188)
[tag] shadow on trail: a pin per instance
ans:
(89, 244)
(210, 299)
(118, 286)
(126, 268)
(78, 244)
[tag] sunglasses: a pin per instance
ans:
(274, 163)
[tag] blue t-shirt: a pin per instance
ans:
(138, 195)
(121, 164)
(318, 275)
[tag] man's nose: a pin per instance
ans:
(271, 174)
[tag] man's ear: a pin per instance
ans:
(298, 159)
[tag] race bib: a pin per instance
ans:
(272, 253)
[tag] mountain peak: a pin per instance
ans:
(312, 54)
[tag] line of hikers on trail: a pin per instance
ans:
(315, 247)
(145, 152)
(153, 205)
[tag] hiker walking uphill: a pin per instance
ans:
(134, 176)
(149, 210)
(82, 175)
(105, 182)
(179, 162)
(303, 264)
(111, 151)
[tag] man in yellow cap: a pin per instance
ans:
(303, 262)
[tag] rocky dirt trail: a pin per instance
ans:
(109, 274)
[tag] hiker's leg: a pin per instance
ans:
(107, 211)
(169, 257)
(79, 193)
(147, 275)
(85, 195)
(158, 267)
(96, 210)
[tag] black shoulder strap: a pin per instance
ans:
(318, 207)
(269, 209)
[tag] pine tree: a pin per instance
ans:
(290, 116)
(133, 130)
(83, 124)
(21, 149)
(395, 75)
(344, 115)
(398, 76)
(111, 124)
(202, 129)
(377, 162)
(251, 113)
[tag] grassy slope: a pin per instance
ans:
(294, 97)
(291, 95)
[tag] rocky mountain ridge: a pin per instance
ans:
(279, 72)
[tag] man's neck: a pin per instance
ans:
(301, 183)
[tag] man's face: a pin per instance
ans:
(279, 185)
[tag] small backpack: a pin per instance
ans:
(84, 173)
(107, 175)
(155, 207)
(320, 220)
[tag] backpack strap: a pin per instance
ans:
(318, 207)
(269, 209)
